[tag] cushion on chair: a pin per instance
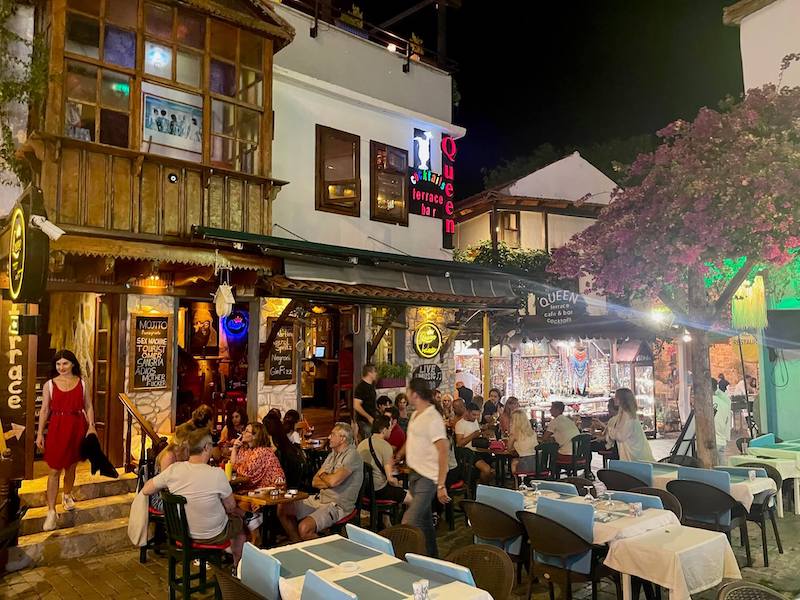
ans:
(348, 518)
(199, 546)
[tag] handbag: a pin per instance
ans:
(481, 442)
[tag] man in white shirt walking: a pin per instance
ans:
(426, 453)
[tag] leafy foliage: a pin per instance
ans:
(527, 261)
(393, 371)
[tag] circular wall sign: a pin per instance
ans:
(428, 340)
(16, 253)
(430, 373)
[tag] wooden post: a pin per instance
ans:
(487, 346)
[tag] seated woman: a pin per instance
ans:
(401, 402)
(292, 458)
(626, 429)
(512, 404)
(522, 440)
(290, 421)
(252, 457)
(235, 425)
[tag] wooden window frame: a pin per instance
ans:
(374, 210)
(322, 203)
(503, 229)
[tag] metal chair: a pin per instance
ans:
(546, 457)
(709, 507)
(669, 500)
(746, 590)
(371, 503)
(490, 566)
(405, 538)
(581, 457)
(498, 528)
(619, 481)
(181, 547)
(230, 588)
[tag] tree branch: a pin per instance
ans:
(669, 301)
(733, 285)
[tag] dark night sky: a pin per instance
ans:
(575, 72)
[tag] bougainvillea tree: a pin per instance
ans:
(717, 189)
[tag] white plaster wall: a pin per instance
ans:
(341, 58)
(473, 231)
(560, 228)
(766, 36)
(282, 397)
(299, 107)
(570, 178)
(531, 230)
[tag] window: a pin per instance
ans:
(234, 136)
(338, 181)
(509, 228)
(388, 187)
(175, 39)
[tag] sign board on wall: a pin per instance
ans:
(17, 377)
(560, 307)
(151, 352)
(427, 340)
(433, 194)
(279, 366)
(430, 373)
(28, 256)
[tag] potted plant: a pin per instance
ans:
(392, 375)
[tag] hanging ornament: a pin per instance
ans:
(749, 305)
(223, 298)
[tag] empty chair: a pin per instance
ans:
(260, 571)
(444, 567)
(368, 538)
(668, 500)
(231, 588)
(317, 588)
(404, 539)
(580, 483)
(562, 487)
(640, 470)
(617, 480)
(682, 459)
(630, 497)
(747, 590)
(505, 500)
(490, 566)
(496, 527)
(763, 441)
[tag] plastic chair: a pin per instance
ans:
(230, 588)
(369, 539)
(181, 547)
(668, 500)
(496, 527)
(405, 538)
(647, 500)
(619, 481)
(562, 487)
(490, 566)
(746, 590)
(639, 470)
(581, 457)
(260, 571)
(709, 507)
(556, 550)
(763, 441)
(444, 567)
(370, 502)
(317, 588)
(580, 483)
(546, 457)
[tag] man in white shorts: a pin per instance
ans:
(339, 481)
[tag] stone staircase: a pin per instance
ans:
(99, 523)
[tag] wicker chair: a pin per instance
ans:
(619, 481)
(405, 538)
(230, 588)
(490, 523)
(668, 499)
(491, 568)
(746, 590)
(580, 484)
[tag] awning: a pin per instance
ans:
(588, 327)
(92, 246)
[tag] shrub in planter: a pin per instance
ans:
(392, 375)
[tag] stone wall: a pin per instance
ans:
(283, 397)
(446, 360)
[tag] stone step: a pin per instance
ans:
(87, 511)
(87, 487)
(102, 537)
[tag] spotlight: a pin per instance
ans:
(687, 337)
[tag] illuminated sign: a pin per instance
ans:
(428, 340)
(422, 149)
(28, 255)
(433, 194)
(16, 253)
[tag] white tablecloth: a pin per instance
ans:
(787, 467)
(743, 491)
(685, 560)
(785, 453)
(291, 588)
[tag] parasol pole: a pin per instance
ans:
(750, 423)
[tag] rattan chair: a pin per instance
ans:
(491, 568)
(230, 588)
(580, 484)
(682, 460)
(747, 590)
(493, 525)
(619, 481)
(668, 499)
(405, 538)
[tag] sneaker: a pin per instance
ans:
(51, 521)
(68, 502)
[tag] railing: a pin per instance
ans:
(145, 431)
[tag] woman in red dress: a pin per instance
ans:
(68, 406)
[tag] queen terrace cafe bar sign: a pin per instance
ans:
(433, 194)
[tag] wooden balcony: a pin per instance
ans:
(91, 187)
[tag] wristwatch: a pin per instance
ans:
(441, 486)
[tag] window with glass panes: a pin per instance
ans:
(388, 176)
(184, 52)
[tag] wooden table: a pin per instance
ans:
(502, 456)
(268, 505)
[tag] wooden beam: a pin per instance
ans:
(280, 321)
(391, 315)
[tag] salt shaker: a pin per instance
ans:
(420, 589)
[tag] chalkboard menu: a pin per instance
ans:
(279, 366)
(151, 352)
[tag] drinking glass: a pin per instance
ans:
(280, 483)
(535, 486)
(588, 497)
(522, 486)
(606, 497)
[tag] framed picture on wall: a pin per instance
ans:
(171, 123)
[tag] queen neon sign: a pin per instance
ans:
(433, 194)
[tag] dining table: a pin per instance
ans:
(743, 489)
(268, 502)
(502, 458)
(788, 468)
(363, 571)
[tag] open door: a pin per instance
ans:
(108, 412)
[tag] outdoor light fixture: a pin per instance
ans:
(657, 316)
(50, 229)
(687, 337)
(391, 48)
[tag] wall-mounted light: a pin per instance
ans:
(392, 48)
(172, 178)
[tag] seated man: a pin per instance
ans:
(561, 429)
(397, 437)
(383, 402)
(211, 509)
(339, 481)
(467, 429)
(376, 452)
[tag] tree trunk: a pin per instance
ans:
(703, 400)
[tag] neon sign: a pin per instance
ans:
(427, 340)
(433, 194)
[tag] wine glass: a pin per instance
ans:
(522, 486)
(535, 486)
(606, 498)
(588, 497)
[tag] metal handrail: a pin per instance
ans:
(145, 428)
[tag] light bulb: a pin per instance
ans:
(687, 337)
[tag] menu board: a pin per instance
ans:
(151, 352)
(279, 366)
